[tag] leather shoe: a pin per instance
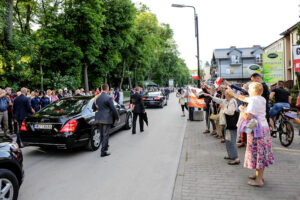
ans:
(105, 154)
(142, 131)
(133, 133)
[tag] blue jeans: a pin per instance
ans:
(277, 108)
(191, 113)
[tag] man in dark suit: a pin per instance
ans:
(138, 110)
(21, 109)
(105, 115)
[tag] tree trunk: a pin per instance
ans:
(8, 32)
(85, 76)
(149, 74)
(123, 73)
(135, 79)
(28, 15)
(42, 75)
(129, 78)
(105, 81)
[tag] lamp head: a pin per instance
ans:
(178, 5)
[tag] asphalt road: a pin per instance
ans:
(141, 166)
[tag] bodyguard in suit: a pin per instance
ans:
(21, 109)
(105, 115)
(138, 109)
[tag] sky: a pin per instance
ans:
(224, 23)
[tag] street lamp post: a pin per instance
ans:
(196, 35)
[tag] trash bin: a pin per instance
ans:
(198, 115)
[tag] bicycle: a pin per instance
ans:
(284, 127)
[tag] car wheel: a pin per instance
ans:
(128, 124)
(9, 185)
(161, 105)
(95, 140)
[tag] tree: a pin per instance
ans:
(85, 21)
(51, 43)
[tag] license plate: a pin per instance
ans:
(43, 126)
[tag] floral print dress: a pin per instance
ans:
(259, 150)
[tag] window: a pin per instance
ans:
(235, 59)
(258, 58)
(64, 107)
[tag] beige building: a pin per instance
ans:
(285, 45)
(290, 38)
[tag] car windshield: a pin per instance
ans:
(154, 94)
(64, 107)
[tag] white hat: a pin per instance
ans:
(66, 89)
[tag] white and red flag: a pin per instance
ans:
(218, 82)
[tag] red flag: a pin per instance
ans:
(196, 77)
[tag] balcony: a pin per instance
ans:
(235, 63)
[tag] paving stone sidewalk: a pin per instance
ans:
(204, 174)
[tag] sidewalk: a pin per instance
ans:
(204, 174)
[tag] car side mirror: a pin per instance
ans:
(122, 106)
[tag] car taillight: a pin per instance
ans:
(23, 126)
(69, 127)
(156, 98)
(144, 98)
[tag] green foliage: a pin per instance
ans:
(58, 41)
(59, 82)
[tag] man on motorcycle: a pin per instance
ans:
(282, 99)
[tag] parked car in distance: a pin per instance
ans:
(69, 123)
(11, 169)
(155, 99)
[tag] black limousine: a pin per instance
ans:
(69, 123)
(155, 99)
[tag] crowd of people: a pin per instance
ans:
(243, 117)
(32, 101)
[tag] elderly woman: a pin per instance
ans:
(228, 109)
(259, 149)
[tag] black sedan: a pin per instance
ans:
(11, 168)
(68, 123)
(155, 99)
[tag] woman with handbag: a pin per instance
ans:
(229, 117)
(259, 144)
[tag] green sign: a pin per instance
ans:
(273, 67)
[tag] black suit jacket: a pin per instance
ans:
(137, 101)
(105, 109)
(22, 107)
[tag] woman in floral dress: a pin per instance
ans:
(259, 149)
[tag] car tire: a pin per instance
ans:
(95, 140)
(128, 124)
(162, 105)
(8, 178)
